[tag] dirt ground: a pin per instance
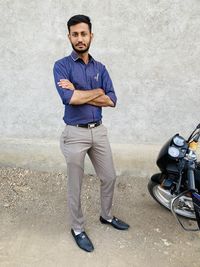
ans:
(35, 231)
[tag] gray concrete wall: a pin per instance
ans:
(151, 49)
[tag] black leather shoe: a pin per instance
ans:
(116, 223)
(83, 241)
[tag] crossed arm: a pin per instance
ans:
(94, 97)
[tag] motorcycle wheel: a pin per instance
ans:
(164, 197)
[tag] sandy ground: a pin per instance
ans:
(35, 230)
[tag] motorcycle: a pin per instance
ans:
(177, 185)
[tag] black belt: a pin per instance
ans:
(89, 125)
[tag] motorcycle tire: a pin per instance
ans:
(163, 197)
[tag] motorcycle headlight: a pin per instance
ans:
(173, 152)
(178, 140)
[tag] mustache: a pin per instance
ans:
(80, 43)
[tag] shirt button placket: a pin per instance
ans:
(87, 78)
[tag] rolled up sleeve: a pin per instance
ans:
(60, 72)
(108, 86)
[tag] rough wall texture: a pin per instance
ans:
(150, 47)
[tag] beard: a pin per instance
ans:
(81, 50)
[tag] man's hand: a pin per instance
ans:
(80, 97)
(66, 84)
(102, 101)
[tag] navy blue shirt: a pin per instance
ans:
(84, 77)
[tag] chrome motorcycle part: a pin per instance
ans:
(164, 197)
(175, 202)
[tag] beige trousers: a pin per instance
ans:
(75, 142)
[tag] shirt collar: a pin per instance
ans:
(75, 56)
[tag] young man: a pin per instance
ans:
(84, 86)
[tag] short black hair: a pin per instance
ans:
(79, 19)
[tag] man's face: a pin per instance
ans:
(80, 37)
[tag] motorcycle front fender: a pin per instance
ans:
(157, 178)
